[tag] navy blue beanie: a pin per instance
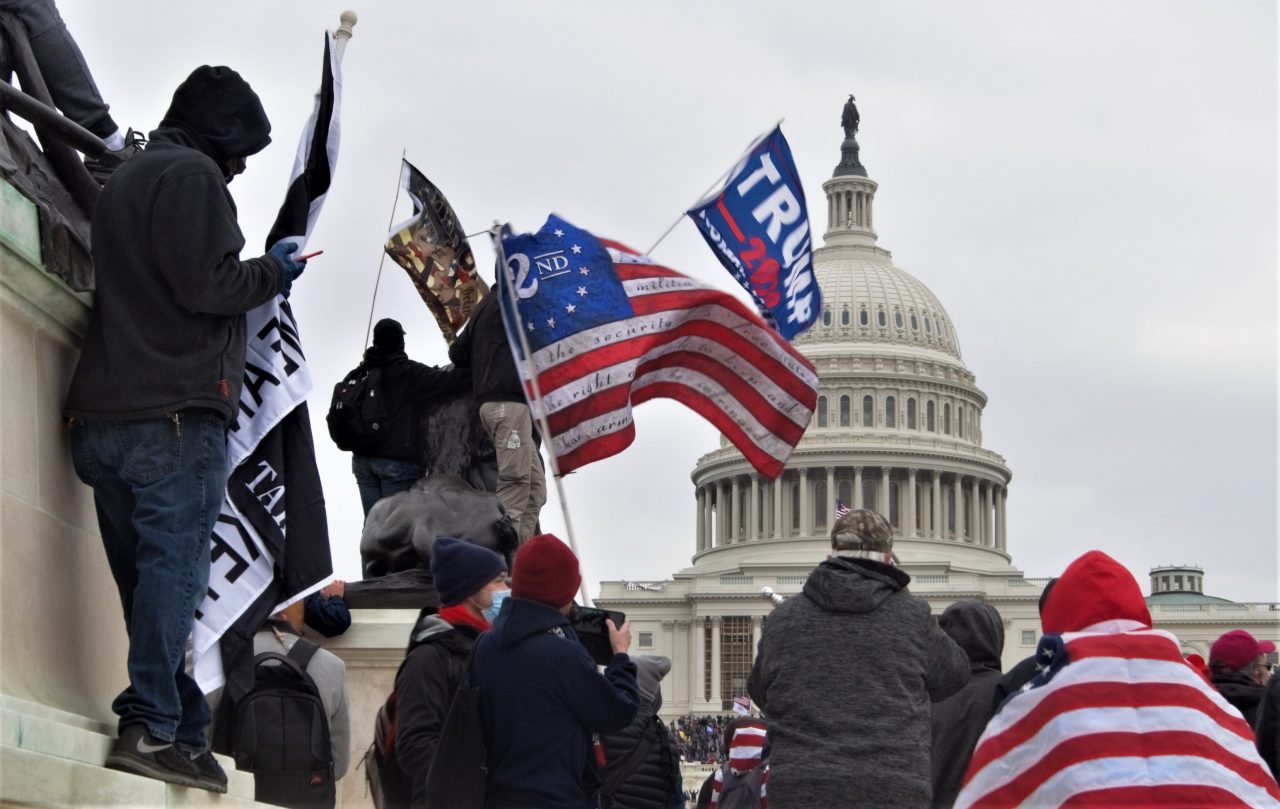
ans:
(461, 569)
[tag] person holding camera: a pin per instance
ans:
(541, 696)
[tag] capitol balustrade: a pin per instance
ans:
(872, 439)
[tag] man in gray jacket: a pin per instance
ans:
(846, 671)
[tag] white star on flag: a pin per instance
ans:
(582, 291)
(570, 308)
(559, 233)
(530, 325)
(585, 271)
(576, 249)
(551, 321)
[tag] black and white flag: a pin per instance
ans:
(270, 546)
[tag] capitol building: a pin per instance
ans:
(897, 429)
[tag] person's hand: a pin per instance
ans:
(290, 268)
(337, 587)
(619, 639)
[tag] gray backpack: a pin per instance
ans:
(740, 791)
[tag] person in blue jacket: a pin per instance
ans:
(541, 696)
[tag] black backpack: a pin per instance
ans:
(281, 732)
(357, 410)
(740, 791)
(389, 786)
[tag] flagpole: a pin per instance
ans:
(340, 37)
(531, 372)
(701, 197)
(368, 329)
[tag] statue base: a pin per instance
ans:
(406, 589)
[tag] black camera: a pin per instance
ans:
(589, 625)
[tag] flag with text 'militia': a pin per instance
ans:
(607, 329)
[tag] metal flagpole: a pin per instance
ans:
(390, 222)
(531, 372)
(702, 196)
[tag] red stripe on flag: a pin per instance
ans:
(1184, 796)
(765, 463)
(1091, 747)
(1129, 646)
(1102, 695)
(724, 211)
(597, 449)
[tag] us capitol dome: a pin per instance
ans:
(898, 428)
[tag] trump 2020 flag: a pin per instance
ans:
(607, 329)
(758, 226)
(432, 247)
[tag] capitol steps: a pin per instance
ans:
(51, 758)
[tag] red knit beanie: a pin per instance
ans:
(546, 571)
(1093, 588)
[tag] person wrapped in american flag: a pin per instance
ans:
(1115, 716)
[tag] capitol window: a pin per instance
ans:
(864, 319)
(822, 411)
(844, 317)
(881, 319)
(911, 414)
(845, 407)
(646, 640)
(1028, 637)
(868, 412)
(960, 421)
(890, 412)
(820, 504)
(826, 317)
(928, 327)
(897, 319)
(946, 418)
(928, 416)
(915, 324)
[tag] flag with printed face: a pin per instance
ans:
(608, 329)
(757, 224)
(432, 247)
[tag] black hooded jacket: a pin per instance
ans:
(167, 330)
(652, 780)
(958, 721)
(482, 349)
(1243, 692)
(407, 387)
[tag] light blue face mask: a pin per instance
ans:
(491, 612)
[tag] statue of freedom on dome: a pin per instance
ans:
(849, 118)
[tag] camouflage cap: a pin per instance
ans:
(862, 530)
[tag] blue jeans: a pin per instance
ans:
(158, 485)
(382, 477)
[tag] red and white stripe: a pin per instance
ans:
(688, 342)
(1125, 721)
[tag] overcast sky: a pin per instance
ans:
(1089, 188)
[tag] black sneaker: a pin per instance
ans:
(136, 751)
(212, 776)
(101, 167)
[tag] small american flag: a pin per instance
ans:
(841, 508)
(742, 705)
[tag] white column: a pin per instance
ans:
(735, 520)
(753, 509)
(988, 535)
(806, 504)
(857, 487)
(975, 522)
(830, 506)
(910, 521)
(715, 662)
(756, 629)
(883, 505)
(722, 514)
(777, 505)
(702, 524)
(1002, 532)
(939, 531)
(958, 496)
(697, 667)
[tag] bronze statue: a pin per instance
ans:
(849, 118)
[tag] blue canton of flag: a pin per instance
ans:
(841, 508)
(564, 282)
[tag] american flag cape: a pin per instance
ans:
(1124, 721)
(270, 545)
(608, 329)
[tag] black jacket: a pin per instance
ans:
(541, 698)
(1268, 728)
(483, 350)
(167, 330)
(957, 721)
(652, 783)
(408, 388)
(432, 671)
(1242, 692)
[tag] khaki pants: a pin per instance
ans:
(522, 487)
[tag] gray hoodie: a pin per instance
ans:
(845, 674)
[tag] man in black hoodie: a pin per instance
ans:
(959, 720)
(391, 462)
(157, 384)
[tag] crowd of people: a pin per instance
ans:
(867, 699)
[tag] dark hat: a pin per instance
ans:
(546, 571)
(221, 111)
(1237, 649)
(461, 569)
(862, 530)
(388, 333)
